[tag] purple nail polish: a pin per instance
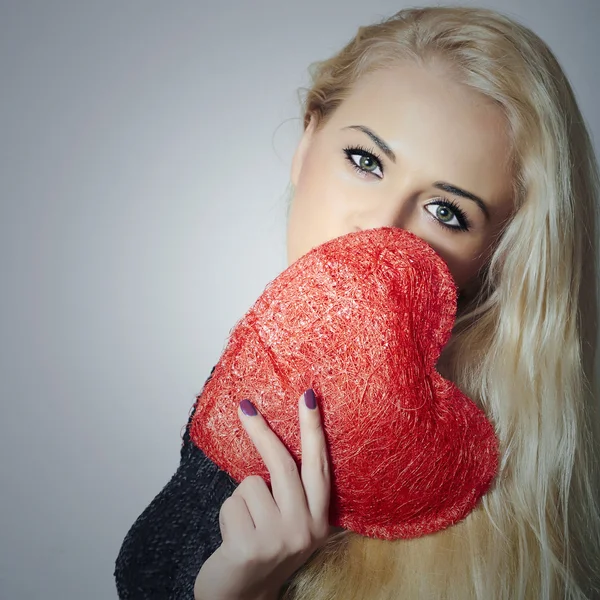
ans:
(309, 399)
(248, 408)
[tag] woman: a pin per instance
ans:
(459, 125)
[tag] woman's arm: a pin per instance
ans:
(169, 542)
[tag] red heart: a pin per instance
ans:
(361, 319)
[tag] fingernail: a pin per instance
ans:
(248, 408)
(309, 399)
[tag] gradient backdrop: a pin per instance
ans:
(145, 152)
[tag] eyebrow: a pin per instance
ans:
(440, 185)
(382, 145)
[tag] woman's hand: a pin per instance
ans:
(268, 536)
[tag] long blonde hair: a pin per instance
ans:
(522, 348)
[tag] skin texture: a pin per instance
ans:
(439, 130)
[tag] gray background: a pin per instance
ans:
(145, 153)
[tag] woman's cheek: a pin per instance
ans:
(350, 191)
(351, 179)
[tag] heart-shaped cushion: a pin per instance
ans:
(362, 320)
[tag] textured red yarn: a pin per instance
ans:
(361, 319)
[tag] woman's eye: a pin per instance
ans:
(364, 162)
(449, 216)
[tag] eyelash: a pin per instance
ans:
(371, 153)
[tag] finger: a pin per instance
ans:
(315, 469)
(235, 520)
(259, 500)
(286, 484)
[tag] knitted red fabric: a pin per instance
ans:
(361, 319)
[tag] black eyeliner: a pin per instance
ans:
(465, 225)
(368, 152)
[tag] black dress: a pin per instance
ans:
(163, 551)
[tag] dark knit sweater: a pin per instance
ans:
(163, 551)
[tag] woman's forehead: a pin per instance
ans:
(431, 124)
(418, 96)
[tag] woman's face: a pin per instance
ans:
(408, 148)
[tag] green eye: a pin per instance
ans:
(444, 214)
(367, 163)
(364, 161)
(449, 215)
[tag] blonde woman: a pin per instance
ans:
(458, 125)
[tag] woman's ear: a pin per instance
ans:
(301, 151)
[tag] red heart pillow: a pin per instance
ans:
(361, 319)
